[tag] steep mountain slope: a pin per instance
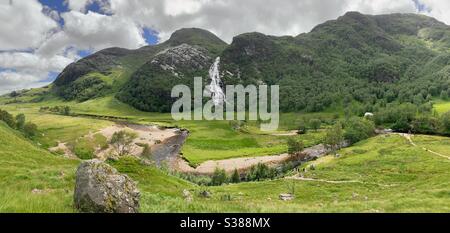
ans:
(356, 60)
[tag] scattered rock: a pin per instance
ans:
(100, 188)
(205, 194)
(187, 195)
(286, 197)
(37, 191)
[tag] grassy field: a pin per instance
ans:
(208, 140)
(442, 106)
(384, 174)
(388, 175)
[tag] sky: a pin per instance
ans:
(39, 38)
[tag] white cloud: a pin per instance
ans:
(438, 9)
(10, 81)
(93, 31)
(27, 25)
(23, 24)
(228, 18)
(33, 63)
(27, 70)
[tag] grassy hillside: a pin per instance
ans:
(442, 107)
(208, 140)
(383, 174)
(32, 179)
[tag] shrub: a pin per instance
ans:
(294, 146)
(402, 125)
(358, 129)
(219, 177)
(445, 122)
(30, 130)
(260, 172)
(235, 177)
(122, 142)
(315, 124)
(302, 129)
(20, 121)
(84, 150)
(7, 118)
(425, 125)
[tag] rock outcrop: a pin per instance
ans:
(100, 188)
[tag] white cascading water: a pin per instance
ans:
(217, 94)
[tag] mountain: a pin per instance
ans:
(358, 61)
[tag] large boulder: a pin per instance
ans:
(100, 188)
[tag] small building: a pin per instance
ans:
(368, 115)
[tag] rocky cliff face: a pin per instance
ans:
(182, 57)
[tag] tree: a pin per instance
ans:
(20, 121)
(7, 118)
(294, 146)
(30, 130)
(444, 95)
(261, 172)
(219, 177)
(402, 125)
(334, 138)
(445, 122)
(235, 177)
(122, 142)
(315, 124)
(14, 95)
(66, 110)
(358, 129)
(302, 129)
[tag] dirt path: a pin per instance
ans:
(297, 177)
(290, 133)
(409, 138)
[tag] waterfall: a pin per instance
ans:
(214, 89)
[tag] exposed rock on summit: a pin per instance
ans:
(182, 57)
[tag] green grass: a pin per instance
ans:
(394, 176)
(442, 106)
(57, 128)
(208, 140)
(24, 167)
(436, 144)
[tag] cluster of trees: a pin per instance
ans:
(19, 123)
(84, 89)
(63, 110)
(256, 173)
(414, 119)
